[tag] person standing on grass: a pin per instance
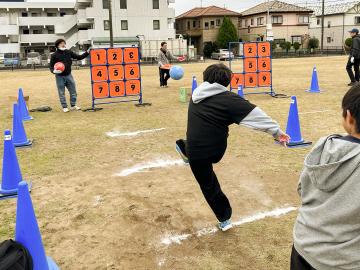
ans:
(64, 78)
(212, 109)
(354, 58)
(164, 58)
(327, 229)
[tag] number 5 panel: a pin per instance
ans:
(116, 73)
(132, 72)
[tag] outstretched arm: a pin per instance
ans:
(79, 57)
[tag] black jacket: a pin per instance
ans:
(66, 58)
(355, 47)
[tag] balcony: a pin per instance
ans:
(10, 47)
(40, 21)
(38, 38)
(6, 30)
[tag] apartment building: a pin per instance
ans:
(201, 25)
(339, 19)
(289, 22)
(34, 26)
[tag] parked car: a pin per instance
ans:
(2, 58)
(223, 54)
(33, 58)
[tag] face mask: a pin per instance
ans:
(62, 48)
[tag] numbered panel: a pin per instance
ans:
(99, 73)
(264, 49)
(100, 90)
(133, 87)
(265, 79)
(250, 50)
(264, 64)
(251, 80)
(116, 73)
(250, 65)
(117, 89)
(98, 57)
(131, 55)
(132, 72)
(237, 79)
(115, 56)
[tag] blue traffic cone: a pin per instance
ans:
(24, 112)
(19, 135)
(314, 88)
(27, 230)
(240, 91)
(11, 174)
(194, 84)
(293, 126)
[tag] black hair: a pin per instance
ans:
(57, 43)
(218, 73)
(351, 102)
(163, 43)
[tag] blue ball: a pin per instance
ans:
(176, 72)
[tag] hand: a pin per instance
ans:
(57, 71)
(181, 58)
(283, 139)
(89, 49)
(352, 59)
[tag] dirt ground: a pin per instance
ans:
(92, 219)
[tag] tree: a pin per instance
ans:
(283, 45)
(273, 45)
(296, 46)
(288, 46)
(348, 43)
(209, 48)
(227, 33)
(313, 43)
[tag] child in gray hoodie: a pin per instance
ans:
(327, 229)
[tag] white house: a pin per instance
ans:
(339, 19)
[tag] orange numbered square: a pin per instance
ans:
(264, 49)
(264, 79)
(131, 55)
(250, 50)
(117, 89)
(264, 64)
(133, 87)
(251, 80)
(115, 56)
(98, 57)
(100, 90)
(132, 72)
(116, 73)
(250, 65)
(99, 73)
(237, 79)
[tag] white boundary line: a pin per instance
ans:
(114, 134)
(177, 239)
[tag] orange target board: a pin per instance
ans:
(237, 79)
(264, 79)
(98, 57)
(132, 72)
(251, 80)
(100, 90)
(117, 89)
(250, 50)
(264, 49)
(115, 56)
(131, 55)
(133, 87)
(250, 65)
(264, 64)
(99, 73)
(116, 73)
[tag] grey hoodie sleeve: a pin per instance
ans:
(257, 119)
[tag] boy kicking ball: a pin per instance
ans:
(212, 110)
(327, 229)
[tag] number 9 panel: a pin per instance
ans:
(133, 87)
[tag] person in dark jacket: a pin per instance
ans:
(64, 78)
(354, 58)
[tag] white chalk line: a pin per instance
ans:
(177, 239)
(160, 163)
(114, 134)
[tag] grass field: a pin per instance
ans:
(92, 219)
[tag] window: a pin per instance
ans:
(212, 24)
(240, 23)
(279, 41)
(329, 39)
(37, 31)
(50, 29)
(106, 4)
(246, 23)
(260, 21)
(252, 22)
(171, 23)
(357, 20)
(62, 13)
(329, 24)
(304, 19)
(199, 24)
(218, 22)
(206, 25)
(106, 25)
(318, 21)
(24, 14)
(188, 25)
(194, 24)
(156, 24)
(155, 4)
(34, 15)
(123, 4)
(124, 25)
(296, 39)
(51, 14)
(26, 32)
(277, 19)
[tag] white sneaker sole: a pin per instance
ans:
(226, 228)
(184, 158)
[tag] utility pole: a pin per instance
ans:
(111, 24)
(322, 25)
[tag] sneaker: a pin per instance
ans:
(65, 110)
(225, 225)
(75, 108)
(165, 86)
(181, 149)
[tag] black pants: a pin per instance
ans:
(356, 65)
(298, 262)
(164, 76)
(210, 187)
